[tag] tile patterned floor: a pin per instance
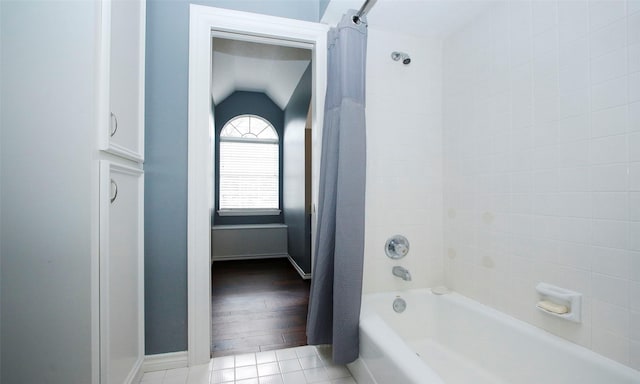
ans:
(301, 365)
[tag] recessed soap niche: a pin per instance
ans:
(559, 302)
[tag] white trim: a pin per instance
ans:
(230, 139)
(164, 361)
(121, 151)
(301, 272)
(205, 22)
(136, 373)
(247, 226)
(248, 212)
(251, 257)
(261, 39)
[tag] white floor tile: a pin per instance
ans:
(153, 376)
(309, 362)
(289, 366)
(175, 380)
(152, 381)
(223, 375)
(199, 380)
(247, 372)
(286, 354)
(248, 381)
(266, 357)
(178, 373)
(315, 375)
(268, 369)
(337, 371)
(199, 376)
(245, 359)
(302, 365)
(346, 380)
(273, 379)
(307, 350)
(294, 378)
(223, 362)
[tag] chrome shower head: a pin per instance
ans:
(401, 56)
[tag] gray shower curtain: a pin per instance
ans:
(336, 287)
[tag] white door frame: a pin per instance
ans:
(204, 22)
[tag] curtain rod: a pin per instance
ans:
(363, 10)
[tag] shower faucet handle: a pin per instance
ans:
(397, 247)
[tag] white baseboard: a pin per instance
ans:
(249, 257)
(302, 273)
(165, 361)
(136, 373)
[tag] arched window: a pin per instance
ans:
(249, 165)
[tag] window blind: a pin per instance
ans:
(249, 175)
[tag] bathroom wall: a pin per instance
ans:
(293, 174)
(49, 190)
(404, 159)
(542, 164)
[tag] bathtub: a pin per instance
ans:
(450, 339)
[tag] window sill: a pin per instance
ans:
(249, 212)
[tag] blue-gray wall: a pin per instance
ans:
(246, 103)
(323, 7)
(295, 215)
(166, 159)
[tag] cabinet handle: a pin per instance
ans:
(115, 191)
(114, 125)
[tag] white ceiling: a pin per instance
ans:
(247, 66)
(276, 70)
(414, 17)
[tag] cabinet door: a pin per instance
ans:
(123, 42)
(121, 273)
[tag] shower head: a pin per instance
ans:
(401, 56)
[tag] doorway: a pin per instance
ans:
(206, 22)
(260, 234)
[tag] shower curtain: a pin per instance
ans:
(336, 287)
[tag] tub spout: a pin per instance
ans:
(402, 273)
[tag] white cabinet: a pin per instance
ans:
(120, 124)
(121, 112)
(121, 273)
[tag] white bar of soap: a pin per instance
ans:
(552, 307)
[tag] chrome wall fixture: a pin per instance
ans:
(396, 56)
(396, 247)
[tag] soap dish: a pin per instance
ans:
(559, 302)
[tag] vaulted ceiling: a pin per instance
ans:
(247, 66)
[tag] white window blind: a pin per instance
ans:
(249, 165)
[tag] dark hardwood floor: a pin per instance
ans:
(257, 305)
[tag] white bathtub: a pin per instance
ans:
(451, 339)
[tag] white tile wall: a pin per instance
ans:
(404, 159)
(556, 162)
